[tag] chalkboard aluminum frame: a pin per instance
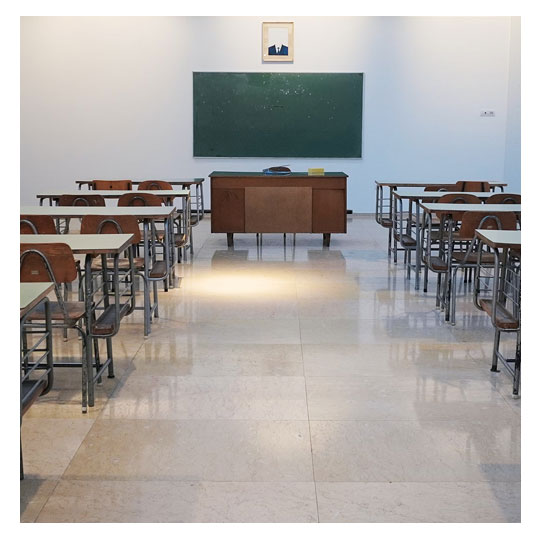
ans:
(214, 137)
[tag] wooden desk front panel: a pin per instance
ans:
(279, 204)
(278, 209)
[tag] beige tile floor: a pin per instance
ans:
(288, 384)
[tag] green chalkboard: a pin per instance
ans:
(277, 114)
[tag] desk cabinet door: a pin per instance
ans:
(329, 211)
(228, 208)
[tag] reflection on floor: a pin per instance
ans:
(284, 383)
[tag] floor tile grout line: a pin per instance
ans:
(61, 476)
(307, 409)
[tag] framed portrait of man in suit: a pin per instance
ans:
(278, 41)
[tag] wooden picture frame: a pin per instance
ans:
(277, 41)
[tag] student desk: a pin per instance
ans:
(167, 195)
(148, 215)
(32, 294)
(384, 202)
(414, 196)
(504, 307)
(253, 202)
(185, 183)
(454, 212)
(92, 245)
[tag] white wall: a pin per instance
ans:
(112, 97)
(512, 163)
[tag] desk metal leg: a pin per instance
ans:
(230, 240)
(146, 282)
(202, 201)
(418, 247)
(87, 389)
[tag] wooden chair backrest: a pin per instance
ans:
(504, 198)
(112, 184)
(473, 185)
(139, 199)
(39, 260)
(111, 225)
(81, 200)
(154, 184)
(37, 225)
(460, 198)
(486, 220)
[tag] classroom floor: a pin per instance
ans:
(279, 385)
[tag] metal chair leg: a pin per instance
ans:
(496, 343)
(110, 355)
(517, 367)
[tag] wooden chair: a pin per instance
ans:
(157, 185)
(504, 198)
(55, 263)
(139, 199)
(467, 256)
(123, 185)
(131, 264)
(37, 225)
(83, 199)
(470, 185)
(154, 185)
(436, 241)
(460, 198)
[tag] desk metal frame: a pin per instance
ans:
(414, 196)
(384, 203)
(33, 295)
(148, 215)
(450, 214)
(92, 245)
(168, 196)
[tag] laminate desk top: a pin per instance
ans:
(500, 239)
(450, 208)
(243, 174)
(172, 181)
(105, 244)
(399, 184)
(117, 193)
(140, 212)
(32, 294)
(419, 193)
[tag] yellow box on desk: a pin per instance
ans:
(316, 172)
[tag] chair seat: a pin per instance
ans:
(386, 223)
(106, 322)
(436, 264)
(75, 311)
(504, 319)
(159, 270)
(472, 258)
(406, 240)
(123, 264)
(179, 239)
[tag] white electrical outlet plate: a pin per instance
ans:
(487, 113)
